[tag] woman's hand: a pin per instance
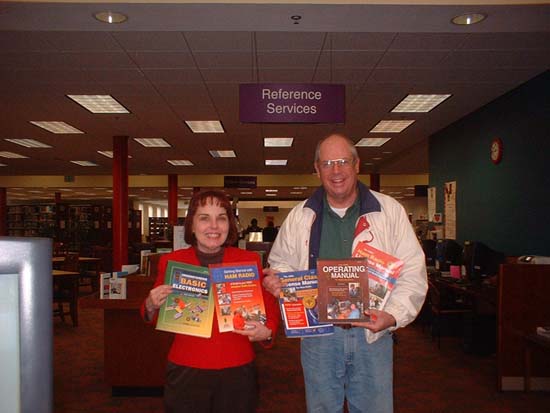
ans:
(271, 282)
(156, 298)
(255, 331)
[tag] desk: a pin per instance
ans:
(94, 262)
(532, 341)
(69, 278)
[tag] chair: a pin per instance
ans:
(66, 290)
(443, 304)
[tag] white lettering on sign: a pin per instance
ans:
(281, 94)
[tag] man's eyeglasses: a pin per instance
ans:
(341, 163)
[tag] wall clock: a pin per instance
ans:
(496, 150)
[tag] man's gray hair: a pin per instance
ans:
(351, 146)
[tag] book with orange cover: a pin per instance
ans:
(237, 295)
(343, 290)
(384, 269)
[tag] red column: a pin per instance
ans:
(57, 198)
(3, 212)
(120, 202)
(375, 182)
(172, 199)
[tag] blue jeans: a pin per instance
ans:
(345, 365)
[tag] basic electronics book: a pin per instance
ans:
(343, 290)
(298, 303)
(237, 295)
(189, 309)
(384, 269)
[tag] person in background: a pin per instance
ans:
(253, 227)
(269, 233)
(211, 374)
(356, 362)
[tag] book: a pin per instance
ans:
(189, 308)
(237, 295)
(384, 269)
(343, 290)
(112, 285)
(143, 261)
(298, 304)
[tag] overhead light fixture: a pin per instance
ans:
(246, 193)
(468, 18)
(270, 194)
(84, 163)
(109, 154)
(3, 164)
(29, 143)
(372, 142)
(303, 188)
(391, 126)
(419, 103)
(180, 162)
(12, 155)
(222, 154)
(377, 159)
(295, 193)
(153, 142)
(205, 126)
(111, 17)
(275, 162)
(99, 103)
(271, 190)
(56, 127)
(278, 142)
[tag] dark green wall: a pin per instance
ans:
(507, 206)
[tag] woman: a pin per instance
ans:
(217, 373)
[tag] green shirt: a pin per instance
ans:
(337, 233)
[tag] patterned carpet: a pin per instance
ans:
(427, 380)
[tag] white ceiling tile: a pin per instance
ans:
(148, 41)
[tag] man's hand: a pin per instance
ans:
(271, 282)
(379, 320)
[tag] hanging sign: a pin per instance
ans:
(292, 103)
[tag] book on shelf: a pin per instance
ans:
(189, 308)
(143, 261)
(237, 295)
(383, 268)
(298, 304)
(343, 290)
(112, 285)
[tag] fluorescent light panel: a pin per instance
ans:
(205, 126)
(152, 142)
(180, 162)
(391, 126)
(84, 163)
(271, 190)
(99, 103)
(419, 103)
(57, 127)
(222, 154)
(12, 155)
(29, 143)
(372, 142)
(109, 154)
(275, 162)
(278, 142)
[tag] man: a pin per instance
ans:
(356, 362)
(269, 233)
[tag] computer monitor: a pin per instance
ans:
(447, 252)
(480, 261)
(428, 246)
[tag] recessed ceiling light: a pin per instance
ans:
(368, 163)
(99, 103)
(180, 162)
(270, 194)
(296, 193)
(222, 154)
(84, 163)
(56, 127)
(29, 143)
(303, 188)
(468, 18)
(12, 155)
(111, 17)
(372, 142)
(205, 126)
(152, 142)
(387, 152)
(377, 159)
(278, 142)
(391, 126)
(108, 154)
(275, 162)
(3, 164)
(271, 190)
(419, 103)
(246, 193)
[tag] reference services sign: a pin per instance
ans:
(292, 103)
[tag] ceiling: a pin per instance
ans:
(174, 62)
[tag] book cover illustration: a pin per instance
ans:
(343, 290)
(112, 285)
(189, 308)
(298, 303)
(384, 269)
(237, 295)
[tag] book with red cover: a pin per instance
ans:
(343, 290)
(384, 269)
(237, 295)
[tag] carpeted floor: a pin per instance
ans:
(427, 380)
